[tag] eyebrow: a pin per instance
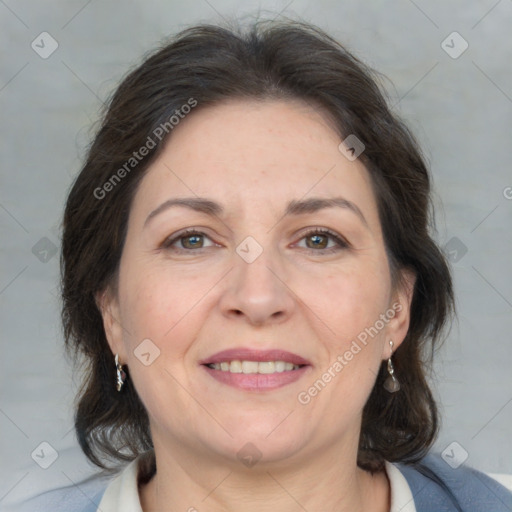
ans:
(294, 207)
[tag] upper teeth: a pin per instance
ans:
(254, 366)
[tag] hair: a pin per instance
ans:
(207, 65)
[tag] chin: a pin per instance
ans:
(262, 443)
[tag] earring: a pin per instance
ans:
(391, 384)
(121, 375)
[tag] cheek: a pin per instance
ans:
(151, 306)
(166, 305)
(160, 318)
(351, 300)
(352, 306)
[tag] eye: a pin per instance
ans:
(186, 241)
(317, 241)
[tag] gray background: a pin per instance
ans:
(460, 109)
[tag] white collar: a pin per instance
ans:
(122, 493)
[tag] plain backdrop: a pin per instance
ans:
(458, 102)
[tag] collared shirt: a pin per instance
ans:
(435, 484)
(122, 493)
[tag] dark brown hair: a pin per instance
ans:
(207, 65)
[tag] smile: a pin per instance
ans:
(264, 367)
(256, 370)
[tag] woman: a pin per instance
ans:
(249, 275)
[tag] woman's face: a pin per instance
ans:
(209, 323)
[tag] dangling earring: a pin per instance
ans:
(121, 375)
(391, 384)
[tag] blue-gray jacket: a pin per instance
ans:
(435, 486)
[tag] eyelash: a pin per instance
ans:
(342, 244)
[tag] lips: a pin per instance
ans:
(246, 354)
(246, 369)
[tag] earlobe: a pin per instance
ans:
(402, 300)
(109, 310)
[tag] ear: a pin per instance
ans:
(109, 308)
(401, 305)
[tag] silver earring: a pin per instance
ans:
(391, 384)
(121, 375)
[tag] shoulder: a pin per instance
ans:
(83, 496)
(437, 487)
(99, 493)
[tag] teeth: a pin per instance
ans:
(250, 366)
(254, 366)
(280, 366)
(235, 367)
(266, 367)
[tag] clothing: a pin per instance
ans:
(411, 489)
(437, 487)
(122, 494)
(430, 486)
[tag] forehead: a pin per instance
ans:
(255, 153)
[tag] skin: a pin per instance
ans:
(253, 158)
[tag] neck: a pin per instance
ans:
(326, 483)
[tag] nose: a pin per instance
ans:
(257, 292)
